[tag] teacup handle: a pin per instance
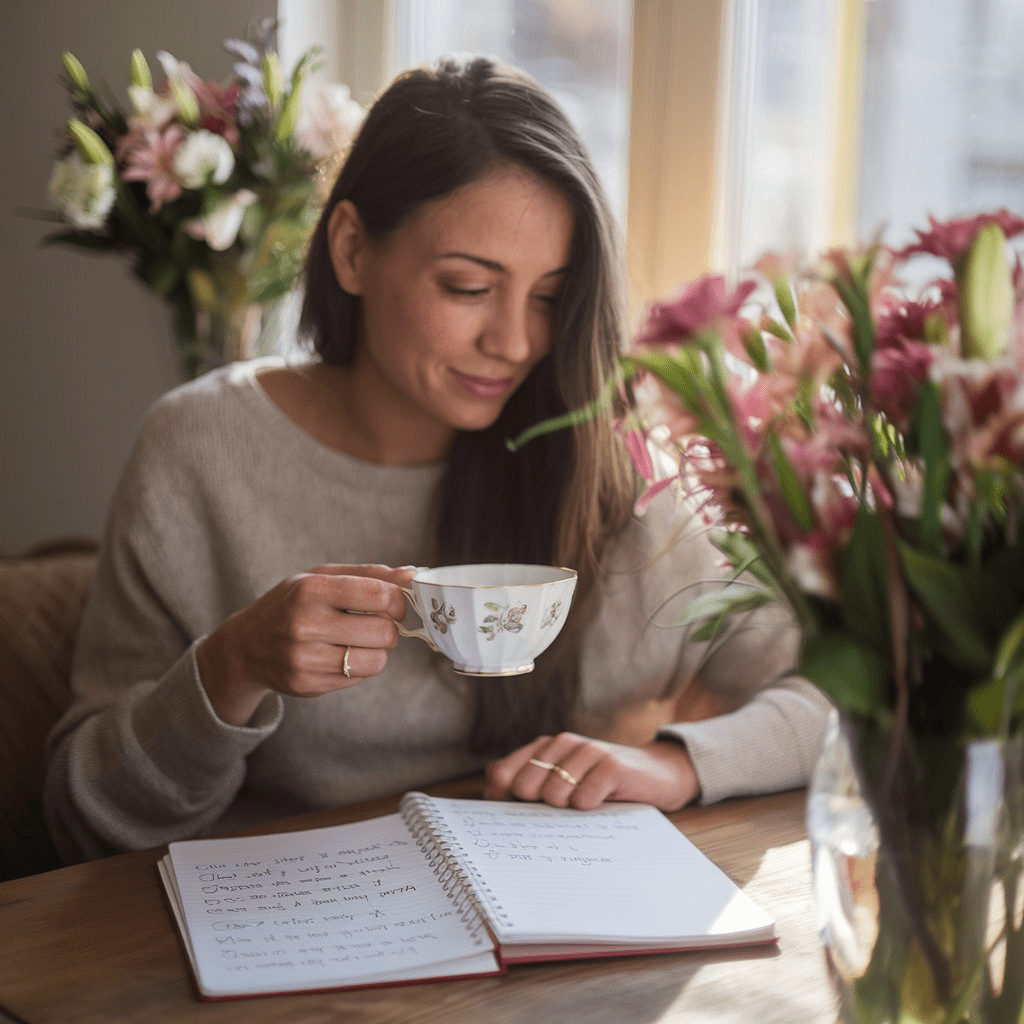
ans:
(420, 633)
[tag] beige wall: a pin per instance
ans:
(84, 349)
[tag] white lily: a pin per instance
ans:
(202, 158)
(220, 226)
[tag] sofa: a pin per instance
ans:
(42, 594)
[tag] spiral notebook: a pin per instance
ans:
(447, 888)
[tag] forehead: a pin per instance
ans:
(509, 209)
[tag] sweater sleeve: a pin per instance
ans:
(140, 758)
(769, 744)
(769, 739)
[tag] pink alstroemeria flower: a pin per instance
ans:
(950, 238)
(701, 305)
(149, 156)
(897, 370)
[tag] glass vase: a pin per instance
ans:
(224, 332)
(917, 863)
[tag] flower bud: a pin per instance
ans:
(93, 149)
(141, 75)
(272, 79)
(185, 98)
(985, 295)
(290, 115)
(75, 71)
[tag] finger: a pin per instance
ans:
(399, 576)
(571, 774)
(357, 592)
(544, 776)
(330, 659)
(502, 773)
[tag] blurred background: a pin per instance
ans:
(721, 128)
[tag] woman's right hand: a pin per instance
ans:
(293, 639)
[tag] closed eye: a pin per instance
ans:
(474, 293)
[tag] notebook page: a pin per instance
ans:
(622, 873)
(351, 904)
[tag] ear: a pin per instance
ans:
(347, 242)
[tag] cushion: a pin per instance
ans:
(41, 601)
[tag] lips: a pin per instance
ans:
(486, 387)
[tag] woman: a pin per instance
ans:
(239, 656)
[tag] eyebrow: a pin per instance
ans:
(492, 264)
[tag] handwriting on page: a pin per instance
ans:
(290, 906)
(534, 834)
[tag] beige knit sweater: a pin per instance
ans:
(223, 496)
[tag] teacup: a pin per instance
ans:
(490, 619)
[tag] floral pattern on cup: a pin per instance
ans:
(552, 615)
(502, 618)
(442, 615)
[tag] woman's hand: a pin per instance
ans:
(658, 773)
(293, 639)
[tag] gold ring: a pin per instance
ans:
(557, 769)
(345, 667)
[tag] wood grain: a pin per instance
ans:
(95, 944)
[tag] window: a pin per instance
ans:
(579, 51)
(845, 117)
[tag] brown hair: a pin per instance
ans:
(562, 497)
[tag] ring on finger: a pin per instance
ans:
(346, 668)
(557, 769)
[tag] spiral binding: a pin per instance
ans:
(442, 850)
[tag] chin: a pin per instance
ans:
(475, 420)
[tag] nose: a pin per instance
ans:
(510, 333)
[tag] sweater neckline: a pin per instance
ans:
(299, 444)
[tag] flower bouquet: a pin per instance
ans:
(858, 452)
(211, 187)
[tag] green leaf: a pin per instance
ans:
(81, 239)
(757, 351)
(854, 296)
(572, 418)
(863, 576)
(683, 372)
(935, 452)
(789, 484)
(743, 556)
(951, 608)
(162, 276)
(729, 600)
(996, 702)
(853, 675)
(784, 296)
(138, 223)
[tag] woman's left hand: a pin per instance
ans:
(584, 773)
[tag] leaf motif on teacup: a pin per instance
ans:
(442, 616)
(552, 615)
(502, 619)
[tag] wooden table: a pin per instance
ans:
(96, 944)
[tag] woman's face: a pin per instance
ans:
(457, 303)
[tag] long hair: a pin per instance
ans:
(561, 498)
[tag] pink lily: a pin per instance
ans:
(149, 156)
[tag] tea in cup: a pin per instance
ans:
(490, 619)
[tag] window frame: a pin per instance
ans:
(678, 211)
